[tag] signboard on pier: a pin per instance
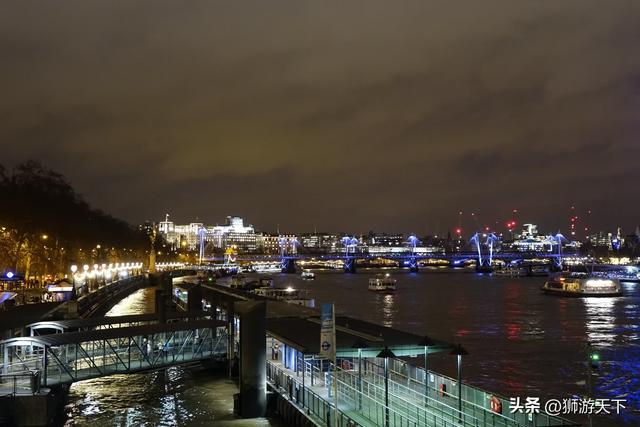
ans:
(328, 332)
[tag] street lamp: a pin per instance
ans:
(359, 344)
(426, 342)
(386, 354)
(74, 268)
(459, 351)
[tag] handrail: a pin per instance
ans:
(459, 417)
(29, 384)
(304, 405)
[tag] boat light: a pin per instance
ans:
(599, 282)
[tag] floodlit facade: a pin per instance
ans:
(233, 233)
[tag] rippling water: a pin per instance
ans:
(175, 397)
(521, 343)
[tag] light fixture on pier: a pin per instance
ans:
(386, 353)
(426, 342)
(459, 351)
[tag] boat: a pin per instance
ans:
(288, 294)
(308, 275)
(512, 271)
(539, 270)
(572, 285)
(382, 283)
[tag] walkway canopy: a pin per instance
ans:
(303, 334)
(72, 325)
(75, 356)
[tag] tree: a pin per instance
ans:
(46, 225)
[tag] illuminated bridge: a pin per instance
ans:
(411, 260)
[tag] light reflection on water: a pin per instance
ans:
(521, 342)
(600, 318)
(174, 397)
(388, 311)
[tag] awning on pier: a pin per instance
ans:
(65, 325)
(53, 340)
(303, 334)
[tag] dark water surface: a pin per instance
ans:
(521, 343)
(175, 397)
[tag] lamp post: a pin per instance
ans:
(459, 352)
(426, 342)
(85, 268)
(74, 268)
(386, 354)
(359, 344)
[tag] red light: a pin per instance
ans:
(458, 230)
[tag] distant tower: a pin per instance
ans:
(153, 235)
(573, 222)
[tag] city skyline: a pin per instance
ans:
(464, 228)
(511, 229)
(305, 116)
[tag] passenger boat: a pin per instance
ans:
(571, 285)
(308, 275)
(382, 283)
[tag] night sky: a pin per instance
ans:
(342, 117)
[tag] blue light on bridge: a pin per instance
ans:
(9, 275)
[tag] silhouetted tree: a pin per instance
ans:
(45, 223)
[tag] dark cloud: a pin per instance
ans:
(341, 117)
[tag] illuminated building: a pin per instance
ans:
(233, 233)
(320, 242)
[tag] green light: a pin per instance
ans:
(595, 356)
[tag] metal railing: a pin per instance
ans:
(471, 413)
(311, 403)
(20, 384)
(473, 398)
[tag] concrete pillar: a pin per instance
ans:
(160, 306)
(231, 338)
(253, 354)
(194, 300)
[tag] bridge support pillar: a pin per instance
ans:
(288, 266)
(413, 265)
(253, 358)
(556, 264)
(483, 267)
(350, 265)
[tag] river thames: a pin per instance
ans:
(521, 343)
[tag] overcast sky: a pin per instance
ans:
(344, 116)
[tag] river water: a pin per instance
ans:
(521, 343)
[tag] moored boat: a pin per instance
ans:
(289, 295)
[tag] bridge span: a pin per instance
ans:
(411, 260)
